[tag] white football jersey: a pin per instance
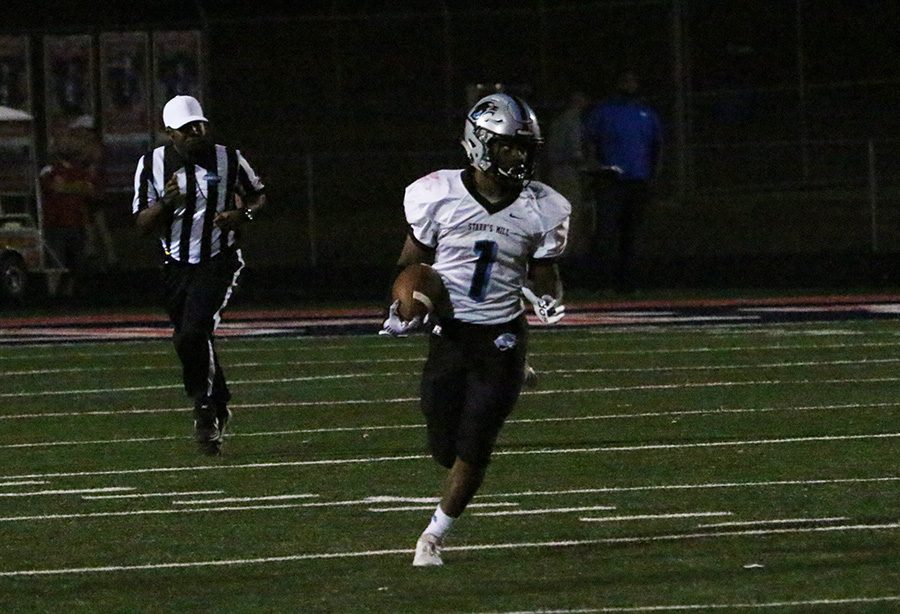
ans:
(483, 257)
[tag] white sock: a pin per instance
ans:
(440, 523)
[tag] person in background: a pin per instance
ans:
(100, 253)
(67, 186)
(567, 158)
(627, 137)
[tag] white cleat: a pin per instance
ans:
(428, 551)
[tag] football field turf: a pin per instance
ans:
(659, 468)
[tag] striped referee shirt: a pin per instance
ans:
(191, 236)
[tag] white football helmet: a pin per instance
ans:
(501, 115)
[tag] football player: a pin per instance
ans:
(494, 236)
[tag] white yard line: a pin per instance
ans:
(754, 523)
(721, 606)
(74, 491)
(729, 367)
(168, 368)
(420, 359)
(149, 495)
(16, 353)
(245, 499)
(430, 507)
(117, 412)
(548, 510)
(277, 404)
(470, 548)
(719, 384)
(407, 457)
(703, 444)
(350, 376)
(725, 348)
(695, 486)
(279, 380)
(652, 516)
(186, 510)
(87, 442)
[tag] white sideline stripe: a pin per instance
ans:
(474, 547)
(753, 523)
(381, 459)
(279, 380)
(718, 606)
(119, 412)
(156, 494)
(245, 499)
(417, 508)
(652, 517)
(548, 510)
(25, 483)
(74, 491)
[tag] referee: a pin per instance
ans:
(197, 196)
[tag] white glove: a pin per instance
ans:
(396, 327)
(548, 309)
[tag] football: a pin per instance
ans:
(420, 291)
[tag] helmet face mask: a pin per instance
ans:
(502, 136)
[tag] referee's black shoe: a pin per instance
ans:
(207, 429)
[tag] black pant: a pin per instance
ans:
(621, 206)
(470, 384)
(195, 295)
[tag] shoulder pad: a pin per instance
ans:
(431, 188)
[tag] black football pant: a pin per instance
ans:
(621, 207)
(195, 295)
(470, 384)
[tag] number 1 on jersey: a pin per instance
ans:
(487, 256)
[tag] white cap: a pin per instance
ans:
(182, 110)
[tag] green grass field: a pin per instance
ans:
(653, 469)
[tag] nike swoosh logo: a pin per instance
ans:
(513, 215)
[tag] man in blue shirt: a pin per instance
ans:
(627, 138)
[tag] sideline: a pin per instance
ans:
(342, 321)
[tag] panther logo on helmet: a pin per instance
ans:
(501, 115)
(480, 109)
